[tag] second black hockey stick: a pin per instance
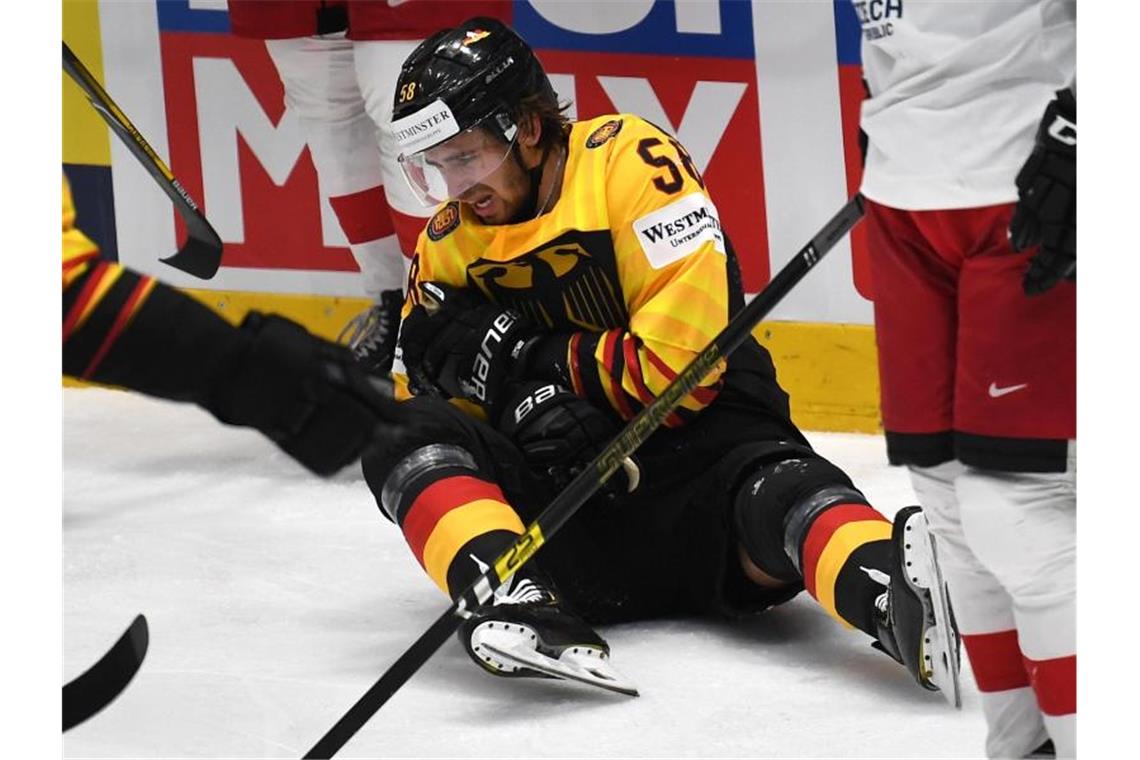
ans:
(98, 686)
(587, 482)
(201, 254)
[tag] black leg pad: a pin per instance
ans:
(777, 491)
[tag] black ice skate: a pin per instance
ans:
(525, 632)
(916, 625)
(371, 335)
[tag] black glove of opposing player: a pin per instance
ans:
(308, 395)
(458, 343)
(559, 433)
(1046, 212)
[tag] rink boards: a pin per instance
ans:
(765, 97)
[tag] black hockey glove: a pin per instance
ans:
(559, 433)
(1046, 212)
(461, 345)
(308, 395)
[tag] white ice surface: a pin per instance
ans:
(276, 599)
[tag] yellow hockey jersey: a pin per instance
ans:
(630, 263)
(78, 249)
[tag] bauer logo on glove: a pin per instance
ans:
(461, 344)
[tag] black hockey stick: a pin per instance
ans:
(201, 254)
(588, 481)
(89, 693)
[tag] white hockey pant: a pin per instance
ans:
(341, 92)
(1007, 546)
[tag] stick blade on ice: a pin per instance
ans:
(100, 684)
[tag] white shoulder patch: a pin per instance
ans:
(673, 232)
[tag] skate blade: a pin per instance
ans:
(581, 668)
(949, 663)
(940, 643)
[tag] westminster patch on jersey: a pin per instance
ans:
(603, 133)
(444, 221)
(673, 232)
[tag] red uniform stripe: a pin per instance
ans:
(84, 297)
(575, 365)
(673, 419)
(821, 531)
(608, 358)
(363, 216)
(633, 364)
(437, 500)
(996, 660)
(79, 260)
(126, 313)
(704, 396)
(1055, 684)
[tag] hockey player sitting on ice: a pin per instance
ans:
(574, 269)
(306, 394)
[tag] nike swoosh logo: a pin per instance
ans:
(996, 392)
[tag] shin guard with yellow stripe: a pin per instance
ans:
(454, 518)
(800, 518)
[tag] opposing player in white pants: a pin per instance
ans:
(341, 90)
(972, 249)
(338, 63)
(1007, 547)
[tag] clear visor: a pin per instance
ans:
(446, 171)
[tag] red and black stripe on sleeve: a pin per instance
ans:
(126, 329)
(617, 370)
(98, 308)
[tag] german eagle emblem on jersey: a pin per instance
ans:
(603, 133)
(444, 221)
(560, 285)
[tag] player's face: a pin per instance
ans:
(479, 172)
(447, 171)
(500, 197)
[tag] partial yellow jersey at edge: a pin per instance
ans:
(100, 299)
(77, 247)
(630, 263)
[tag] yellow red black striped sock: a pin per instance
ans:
(453, 518)
(845, 548)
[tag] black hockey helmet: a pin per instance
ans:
(478, 69)
(474, 75)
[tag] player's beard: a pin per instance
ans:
(501, 208)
